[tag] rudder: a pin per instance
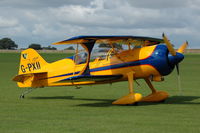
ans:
(30, 62)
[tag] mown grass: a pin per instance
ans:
(89, 109)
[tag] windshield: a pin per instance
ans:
(100, 53)
(80, 58)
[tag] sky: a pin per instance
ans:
(48, 21)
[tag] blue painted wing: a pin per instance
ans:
(86, 39)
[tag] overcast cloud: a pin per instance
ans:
(45, 22)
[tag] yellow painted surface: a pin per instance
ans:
(128, 99)
(50, 74)
(156, 97)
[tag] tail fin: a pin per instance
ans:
(30, 62)
(31, 68)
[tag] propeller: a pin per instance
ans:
(176, 57)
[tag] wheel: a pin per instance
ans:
(136, 104)
(21, 97)
(163, 101)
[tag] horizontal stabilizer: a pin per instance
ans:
(22, 77)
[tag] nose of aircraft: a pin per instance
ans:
(174, 57)
(173, 60)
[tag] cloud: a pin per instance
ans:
(124, 16)
(159, 4)
(8, 22)
(38, 20)
(38, 4)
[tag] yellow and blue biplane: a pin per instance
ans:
(144, 58)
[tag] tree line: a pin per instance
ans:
(8, 43)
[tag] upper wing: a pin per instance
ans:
(134, 40)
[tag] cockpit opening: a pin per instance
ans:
(100, 51)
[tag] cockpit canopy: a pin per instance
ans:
(100, 51)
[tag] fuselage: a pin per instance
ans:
(151, 61)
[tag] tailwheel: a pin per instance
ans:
(21, 97)
(29, 90)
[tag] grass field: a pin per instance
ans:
(89, 109)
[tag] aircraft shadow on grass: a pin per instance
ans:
(108, 102)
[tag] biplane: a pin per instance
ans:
(142, 58)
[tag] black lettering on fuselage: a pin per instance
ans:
(38, 65)
(34, 66)
(30, 67)
(23, 69)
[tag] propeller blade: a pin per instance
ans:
(177, 68)
(183, 47)
(179, 80)
(169, 45)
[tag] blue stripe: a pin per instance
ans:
(93, 77)
(64, 75)
(133, 63)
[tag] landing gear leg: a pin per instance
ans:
(150, 85)
(131, 98)
(155, 96)
(29, 90)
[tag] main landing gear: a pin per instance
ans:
(133, 98)
(155, 96)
